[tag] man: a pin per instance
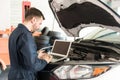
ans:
(25, 61)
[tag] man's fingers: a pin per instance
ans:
(41, 51)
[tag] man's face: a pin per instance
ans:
(37, 23)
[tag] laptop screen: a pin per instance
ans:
(61, 47)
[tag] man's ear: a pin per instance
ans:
(33, 20)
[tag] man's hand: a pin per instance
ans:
(44, 56)
(47, 57)
(41, 53)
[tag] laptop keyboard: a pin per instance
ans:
(56, 57)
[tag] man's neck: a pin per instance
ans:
(27, 25)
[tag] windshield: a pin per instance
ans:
(99, 33)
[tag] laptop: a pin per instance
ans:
(60, 50)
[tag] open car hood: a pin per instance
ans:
(73, 15)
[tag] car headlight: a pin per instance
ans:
(79, 71)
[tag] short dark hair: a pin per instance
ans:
(33, 12)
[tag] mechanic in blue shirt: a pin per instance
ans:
(25, 61)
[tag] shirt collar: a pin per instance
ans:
(23, 26)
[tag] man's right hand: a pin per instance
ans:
(44, 56)
(47, 57)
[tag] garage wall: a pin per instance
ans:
(4, 14)
(16, 12)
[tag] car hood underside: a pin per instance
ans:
(73, 15)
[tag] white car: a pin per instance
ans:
(95, 56)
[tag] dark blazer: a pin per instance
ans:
(23, 55)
